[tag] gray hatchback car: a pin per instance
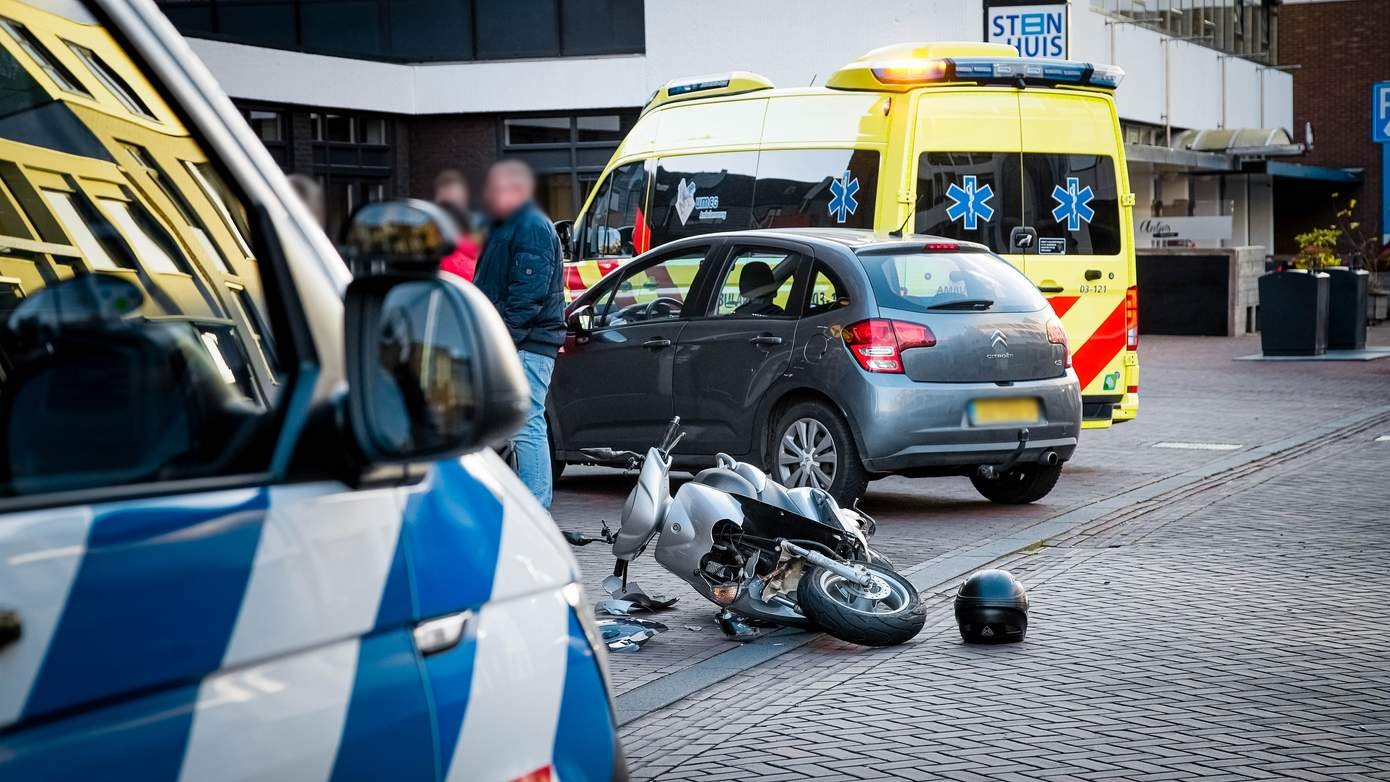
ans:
(832, 357)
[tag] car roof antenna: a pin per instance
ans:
(898, 234)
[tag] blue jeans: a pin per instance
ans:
(532, 444)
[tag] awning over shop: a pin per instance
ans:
(1241, 142)
(1279, 168)
(1239, 151)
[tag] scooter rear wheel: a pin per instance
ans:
(888, 613)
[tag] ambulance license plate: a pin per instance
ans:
(994, 412)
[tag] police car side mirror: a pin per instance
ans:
(431, 369)
(409, 235)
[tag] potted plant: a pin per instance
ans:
(1364, 253)
(1346, 287)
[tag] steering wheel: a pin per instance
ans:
(671, 305)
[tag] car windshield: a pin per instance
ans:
(949, 282)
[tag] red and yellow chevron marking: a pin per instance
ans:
(579, 275)
(1096, 330)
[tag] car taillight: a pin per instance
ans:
(878, 344)
(1131, 318)
(1058, 336)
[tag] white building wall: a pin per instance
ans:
(793, 42)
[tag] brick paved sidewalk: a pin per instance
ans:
(1237, 630)
(1193, 391)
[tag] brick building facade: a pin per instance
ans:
(1340, 49)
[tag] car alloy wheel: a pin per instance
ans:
(806, 455)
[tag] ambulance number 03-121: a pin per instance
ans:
(1099, 288)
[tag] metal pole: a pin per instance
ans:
(1384, 194)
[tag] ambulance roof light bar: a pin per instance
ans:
(999, 70)
(731, 83)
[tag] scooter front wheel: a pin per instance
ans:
(886, 613)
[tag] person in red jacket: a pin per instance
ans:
(451, 193)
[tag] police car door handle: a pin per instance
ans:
(11, 629)
(766, 339)
(657, 343)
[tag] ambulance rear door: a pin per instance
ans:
(1072, 179)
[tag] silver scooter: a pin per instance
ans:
(764, 553)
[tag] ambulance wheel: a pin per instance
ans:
(1023, 484)
(886, 613)
(811, 445)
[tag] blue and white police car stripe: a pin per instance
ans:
(39, 556)
(295, 598)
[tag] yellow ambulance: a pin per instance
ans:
(960, 140)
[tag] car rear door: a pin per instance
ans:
(741, 343)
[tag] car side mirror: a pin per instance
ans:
(406, 236)
(565, 230)
(431, 369)
(581, 320)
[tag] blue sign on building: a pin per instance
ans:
(1380, 134)
(1380, 112)
(1035, 29)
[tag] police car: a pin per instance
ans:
(249, 524)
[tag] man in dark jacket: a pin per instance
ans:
(522, 271)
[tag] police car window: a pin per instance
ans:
(617, 225)
(1073, 203)
(700, 194)
(759, 284)
(972, 196)
(949, 282)
(797, 188)
(129, 351)
(656, 292)
(826, 292)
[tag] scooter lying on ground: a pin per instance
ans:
(766, 554)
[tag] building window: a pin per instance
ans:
(271, 126)
(567, 152)
(421, 30)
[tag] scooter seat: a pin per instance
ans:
(726, 480)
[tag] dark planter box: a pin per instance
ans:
(1293, 313)
(1346, 308)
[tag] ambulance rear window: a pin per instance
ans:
(1070, 200)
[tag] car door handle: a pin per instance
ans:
(657, 343)
(11, 629)
(1053, 288)
(1092, 274)
(766, 339)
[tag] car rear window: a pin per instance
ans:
(949, 282)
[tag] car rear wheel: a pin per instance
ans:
(1019, 486)
(812, 446)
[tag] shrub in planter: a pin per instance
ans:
(1293, 313)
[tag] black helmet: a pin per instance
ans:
(991, 607)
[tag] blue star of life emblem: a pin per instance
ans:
(842, 203)
(1073, 204)
(970, 202)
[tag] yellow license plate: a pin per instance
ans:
(989, 412)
